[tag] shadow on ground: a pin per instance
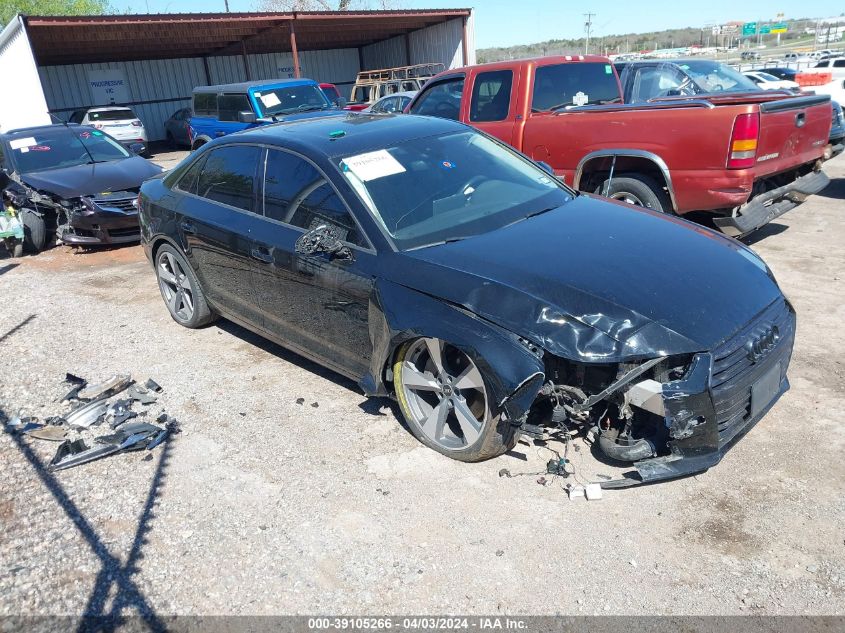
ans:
(129, 602)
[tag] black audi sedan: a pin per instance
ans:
(431, 263)
(73, 182)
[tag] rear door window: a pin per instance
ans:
(491, 96)
(229, 106)
(228, 176)
(574, 84)
(297, 194)
(442, 99)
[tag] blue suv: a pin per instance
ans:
(221, 110)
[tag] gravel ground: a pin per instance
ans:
(267, 504)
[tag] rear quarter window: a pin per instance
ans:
(205, 104)
(574, 84)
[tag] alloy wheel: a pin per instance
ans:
(626, 196)
(444, 393)
(175, 287)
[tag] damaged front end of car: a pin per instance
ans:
(673, 414)
(104, 218)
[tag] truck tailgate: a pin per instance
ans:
(793, 131)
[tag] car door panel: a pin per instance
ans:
(217, 231)
(318, 304)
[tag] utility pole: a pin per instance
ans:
(226, 2)
(588, 25)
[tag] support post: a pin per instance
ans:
(246, 61)
(464, 45)
(205, 67)
(293, 50)
(408, 50)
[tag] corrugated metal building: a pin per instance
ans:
(152, 62)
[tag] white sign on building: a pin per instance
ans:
(108, 86)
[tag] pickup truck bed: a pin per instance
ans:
(745, 157)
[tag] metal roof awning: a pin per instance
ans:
(80, 39)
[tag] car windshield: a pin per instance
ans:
(112, 115)
(442, 188)
(289, 99)
(62, 147)
(716, 77)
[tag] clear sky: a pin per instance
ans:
(507, 22)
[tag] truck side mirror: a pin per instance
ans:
(245, 116)
(322, 239)
(545, 167)
(340, 103)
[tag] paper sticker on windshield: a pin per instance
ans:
(580, 99)
(269, 100)
(373, 165)
(23, 143)
(607, 69)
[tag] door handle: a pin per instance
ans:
(220, 134)
(262, 254)
(188, 227)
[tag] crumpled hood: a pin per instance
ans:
(83, 180)
(600, 281)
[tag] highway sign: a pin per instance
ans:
(780, 27)
(749, 28)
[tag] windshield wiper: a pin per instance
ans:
(534, 214)
(440, 243)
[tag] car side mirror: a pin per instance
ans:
(340, 103)
(322, 239)
(245, 116)
(545, 167)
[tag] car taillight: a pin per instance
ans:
(744, 141)
(136, 123)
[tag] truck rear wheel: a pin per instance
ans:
(641, 191)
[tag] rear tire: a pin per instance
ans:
(181, 290)
(34, 230)
(470, 430)
(637, 190)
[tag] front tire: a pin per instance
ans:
(447, 403)
(34, 230)
(181, 290)
(640, 191)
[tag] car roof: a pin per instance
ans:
(108, 108)
(245, 86)
(345, 134)
(406, 93)
(42, 128)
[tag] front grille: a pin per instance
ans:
(734, 372)
(123, 201)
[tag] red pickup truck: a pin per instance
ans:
(747, 157)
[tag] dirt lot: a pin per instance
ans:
(263, 505)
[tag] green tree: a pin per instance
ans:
(8, 8)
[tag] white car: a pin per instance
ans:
(765, 81)
(798, 58)
(836, 65)
(122, 124)
(392, 103)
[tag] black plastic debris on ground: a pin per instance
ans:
(92, 409)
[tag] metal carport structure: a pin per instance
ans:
(158, 59)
